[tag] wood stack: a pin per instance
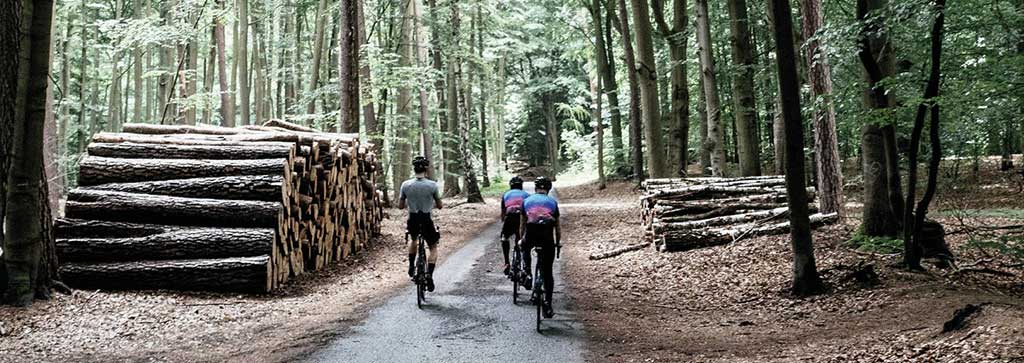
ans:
(681, 214)
(213, 208)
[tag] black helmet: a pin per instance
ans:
(542, 183)
(516, 182)
(420, 164)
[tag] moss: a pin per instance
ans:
(875, 244)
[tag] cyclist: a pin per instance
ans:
(511, 210)
(541, 229)
(421, 195)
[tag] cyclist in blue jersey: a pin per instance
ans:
(541, 229)
(511, 211)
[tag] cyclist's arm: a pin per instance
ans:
(401, 197)
(437, 199)
(502, 208)
(558, 232)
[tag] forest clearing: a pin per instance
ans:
(611, 180)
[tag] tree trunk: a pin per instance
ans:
(114, 99)
(26, 218)
(679, 115)
(611, 86)
(883, 203)
(716, 136)
(634, 94)
(227, 104)
(551, 133)
(401, 157)
(453, 153)
(648, 80)
(913, 220)
(242, 62)
(702, 112)
(348, 67)
(369, 111)
(318, 54)
(454, 104)
(138, 93)
(484, 177)
(806, 280)
(826, 144)
(745, 107)
(595, 115)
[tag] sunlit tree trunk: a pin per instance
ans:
(484, 178)
(242, 62)
(744, 105)
(426, 139)
(401, 157)
(455, 103)
(595, 116)
(648, 80)
(611, 86)
(826, 143)
(369, 109)
(227, 104)
(348, 66)
(114, 99)
(716, 137)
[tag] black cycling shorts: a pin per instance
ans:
(421, 224)
(510, 226)
(539, 235)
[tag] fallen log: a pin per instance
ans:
(685, 240)
(146, 208)
(98, 170)
(250, 136)
(243, 187)
(190, 243)
(288, 126)
(131, 150)
(708, 210)
(155, 129)
(618, 251)
(663, 226)
(88, 228)
(240, 274)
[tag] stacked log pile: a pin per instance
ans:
(213, 208)
(681, 214)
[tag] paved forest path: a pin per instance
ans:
(468, 318)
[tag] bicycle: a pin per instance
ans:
(515, 273)
(420, 278)
(538, 282)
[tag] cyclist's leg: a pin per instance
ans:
(413, 230)
(431, 235)
(546, 257)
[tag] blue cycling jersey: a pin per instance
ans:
(512, 201)
(540, 209)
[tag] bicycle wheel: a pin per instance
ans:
(538, 290)
(515, 275)
(421, 277)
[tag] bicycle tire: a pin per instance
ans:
(421, 275)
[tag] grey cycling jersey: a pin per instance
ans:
(419, 194)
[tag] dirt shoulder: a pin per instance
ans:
(174, 326)
(728, 303)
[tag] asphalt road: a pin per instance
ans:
(468, 318)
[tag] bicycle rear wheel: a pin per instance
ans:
(421, 274)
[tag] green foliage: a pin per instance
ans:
(1009, 245)
(884, 245)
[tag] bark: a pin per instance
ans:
(10, 72)
(98, 170)
(611, 86)
(716, 137)
(679, 115)
(173, 151)
(744, 105)
(27, 220)
(238, 274)
(242, 62)
(401, 159)
(634, 94)
(192, 243)
(452, 155)
(702, 112)
(472, 188)
(439, 86)
(348, 67)
(913, 220)
(243, 187)
(146, 208)
(806, 280)
(826, 143)
(369, 111)
(648, 81)
(318, 53)
(227, 104)
(883, 203)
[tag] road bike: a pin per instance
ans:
(538, 282)
(420, 278)
(515, 273)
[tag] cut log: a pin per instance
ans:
(96, 170)
(251, 136)
(244, 187)
(241, 274)
(662, 226)
(289, 126)
(87, 228)
(145, 208)
(130, 150)
(191, 243)
(699, 238)
(618, 251)
(155, 129)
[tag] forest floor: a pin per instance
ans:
(729, 303)
(190, 327)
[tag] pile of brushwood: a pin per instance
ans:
(214, 208)
(681, 214)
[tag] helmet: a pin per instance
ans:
(420, 162)
(542, 183)
(515, 182)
